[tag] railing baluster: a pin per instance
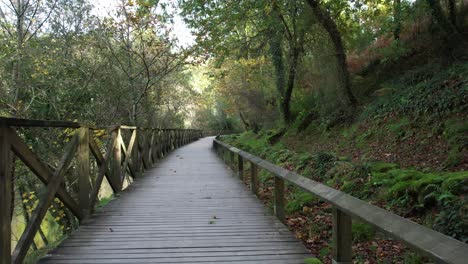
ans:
(279, 198)
(232, 158)
(5, 196)
(254, 178)
(103, 169)
(84, 185)
(117, 164)
(37, 216)
(342, 237)
(150, 147)
(240, 167)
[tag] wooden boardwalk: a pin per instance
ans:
(187, 209)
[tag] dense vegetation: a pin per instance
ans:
(368, 96)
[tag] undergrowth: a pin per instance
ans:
(432, 198)
(405, 151)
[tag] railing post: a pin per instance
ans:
(240, 167)
(342, 237)
(5, 195)
(254, 178)
(136, 155)
(159, 147)
(279, 198)
(151, 148)
(84, 184)
(117, 165)
(232, 158)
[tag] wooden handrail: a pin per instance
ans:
(430, 243)
(145, 147)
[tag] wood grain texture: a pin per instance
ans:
(5, 195)
(187, 209)
(27, 237)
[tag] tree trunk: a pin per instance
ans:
(291, 81)
(441, 18)
(329, 25)
(452, 13)
(396, 19)
(16, 75)
(276, 51)
(244, 121)
(451, 36)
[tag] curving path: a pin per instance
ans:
(187, 209)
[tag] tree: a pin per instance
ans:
(28, 18)
(249, 29)
(325, 20)
(141, 49)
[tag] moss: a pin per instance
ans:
(105, 200)
(350, 132)
(456, 133)
(348, 186)
(299, 200)
(400, 190)
(362, 232)
(456, 182)
(312, 261)
(399, 126)
(401, 181)
(380, 166)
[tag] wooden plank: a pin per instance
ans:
(254, 178)
(279, 199)
(84, 180)
(128, 154)
(150, 148)
(124, 156)
(27, 237)
(143, 150)
(100, 160)
(188, 207)
(103, 169)
(20, 122)
(342, 237)
(5, 194)
(240, 167)
(117, 162)
(43, 172)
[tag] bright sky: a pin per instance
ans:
(181, 31)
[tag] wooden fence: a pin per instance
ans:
(145, 146)
(432, 244)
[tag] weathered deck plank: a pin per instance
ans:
(188, 209)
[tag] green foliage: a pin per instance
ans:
(104, 201)
(380, 166)
(34, 256)
(298, 200)
(452, 220)
(323, 162)
(400, 126)
(429, 91)
(456, 133)
(413, 258)
(403, 190)
(312, 261)
(362, 232)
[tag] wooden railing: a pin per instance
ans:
(432, 244)
(145, 146)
